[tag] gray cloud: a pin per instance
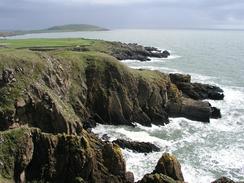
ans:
(28, 14)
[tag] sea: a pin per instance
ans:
(205, 151)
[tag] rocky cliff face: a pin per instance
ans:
(28, 155)
(70, 88)
(58, 91)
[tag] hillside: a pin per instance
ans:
(62, 28)
(75, 27)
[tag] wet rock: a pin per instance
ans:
(89, 124)
(165, 53)
(105, 137)
(129, 176)
(179, 78)
(137, 52)
(157, 178)
(200, 91)
(196, 91)
(215, 113)
(141, 147)
(191, 109)
(223, 180)
(151, 49)
(169, 165)
(112, 156)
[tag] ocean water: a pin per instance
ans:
(205, 151)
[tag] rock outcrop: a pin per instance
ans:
(140, 147)
(170, 166)
(157, 178)
(167, 170)
(123, 51)
(223, 180)
(196, 91)
(192, 109)
(30, 155)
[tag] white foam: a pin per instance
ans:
(140, 163)
(152, 60)
(154, 68)
(131, 61)
(171, 57)
(195, 175)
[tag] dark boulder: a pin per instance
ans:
(112, 156)
(215, 113)
(141, 147)
(196, 91)
(129, 176)
(89, 124)
(165, 53)
(105, 137)
(170, 166)
(151, 49)
(191, 109)
(179, 78)
(200, 91)
(157, 178)
(223, 180)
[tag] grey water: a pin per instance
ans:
(206, 151)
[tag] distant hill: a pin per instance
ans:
(61, 28)
(75, 27)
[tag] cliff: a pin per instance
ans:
(27, 154)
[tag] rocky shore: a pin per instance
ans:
(49, 101)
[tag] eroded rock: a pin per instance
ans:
(28, 155)
(157, 178)
(136, 52)
(196, 91)
(129, 176)
(141, 147)
(223, 180)
(170, 166)
(191, 109)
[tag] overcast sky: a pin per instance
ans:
(35, 14)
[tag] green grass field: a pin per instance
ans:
(26, 43)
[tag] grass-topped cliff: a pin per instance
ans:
(85, 83)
